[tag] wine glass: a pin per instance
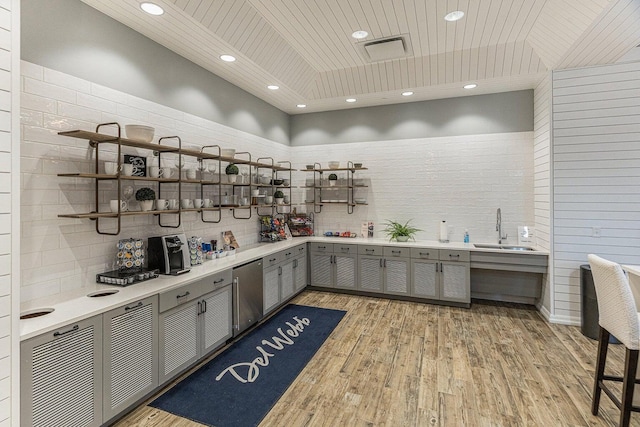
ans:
(127, 193)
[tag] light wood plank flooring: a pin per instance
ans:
(395, 363)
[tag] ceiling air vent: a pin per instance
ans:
(385, 49)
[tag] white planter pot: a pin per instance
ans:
(279, 201)
(332, 182)
(232, 178)
(146, 205)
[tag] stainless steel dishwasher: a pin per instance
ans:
(247, 295)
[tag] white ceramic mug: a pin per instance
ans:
(127, 169)
(206, 203)
(155, 171)
(191, 173)
(268, 200)
(197, 203)
(255, 193)
(167, 172)
(113, 204)
(111, 168)
(186, 203)
(162, 204)
(173, 204)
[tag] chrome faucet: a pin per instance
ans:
(499, 227)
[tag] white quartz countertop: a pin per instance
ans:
(75, 305)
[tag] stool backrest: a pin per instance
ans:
(616, 306)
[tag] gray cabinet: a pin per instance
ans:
(195, 319)
(285, 274)
(130, 349)
(441, 274)
(384, 269)
(61, 376)
(334, 265)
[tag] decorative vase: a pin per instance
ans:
(279, 200)
(146, 205)
(232, 178)
(402, 238)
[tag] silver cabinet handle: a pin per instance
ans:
(385, 263)
(236, 283)
(380, 262)
(186, 294)
(132, 307)
(204, 305)
(272, 259)
(396, 252)
(424, 253)
(369, 250)
(215, 282)
(59, 334)
(436, 267)
(279, 271)
(199, 308)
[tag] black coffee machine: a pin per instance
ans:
(169, 254)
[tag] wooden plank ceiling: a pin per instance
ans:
(306, 48)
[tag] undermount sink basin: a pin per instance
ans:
(503, 247)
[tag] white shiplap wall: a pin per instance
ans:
(9, 211)
(542, 177)
(596, 169)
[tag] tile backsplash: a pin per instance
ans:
(460, 179)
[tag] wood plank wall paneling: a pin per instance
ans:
(542, 174)
(596, 169)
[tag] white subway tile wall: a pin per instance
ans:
(596, 174)
(8, 154)
(542, 177)
(62, 254)
(463, 180)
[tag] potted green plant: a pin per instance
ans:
(332, 179)
(279, 197)
(400, 232)
(145, 196)
(232, 173)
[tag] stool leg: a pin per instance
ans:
(628, 385)
(603, 346)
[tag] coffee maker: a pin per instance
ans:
(169, 254)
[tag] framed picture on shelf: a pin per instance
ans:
(139, 164)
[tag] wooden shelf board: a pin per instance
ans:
(333, 170)
(101, 138)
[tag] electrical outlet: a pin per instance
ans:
(596, 232)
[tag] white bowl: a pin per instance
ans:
(139, 132)
(334, 165)
(227, 152)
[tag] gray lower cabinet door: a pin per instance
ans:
(455, 283)
(61, 376)
(322, 269)
(425, 279)
(397, 276)
(216, 319)
(300, 273)
(271, 289)
(178, 340)
(346, 271)
(370, 273)
(287, 280)
(130, 354)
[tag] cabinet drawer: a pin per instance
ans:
(396, 252)
(300, 250)
(370, 250)
(215, 281)
(448, 255)
(425, 253)
(175, 297)
(321, 247)
(288, 254)
(345, 249)
(271, 260)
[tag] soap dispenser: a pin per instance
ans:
(466, 236)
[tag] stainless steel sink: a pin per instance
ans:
(503, 247)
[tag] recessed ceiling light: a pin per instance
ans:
(350, 100)
(470, 86)
(454, 16)
(407, 93)
(273, 87)
(301, 105)
(228, 58)
(152, 8)
(360, 34)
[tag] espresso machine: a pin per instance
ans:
(169, 254)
